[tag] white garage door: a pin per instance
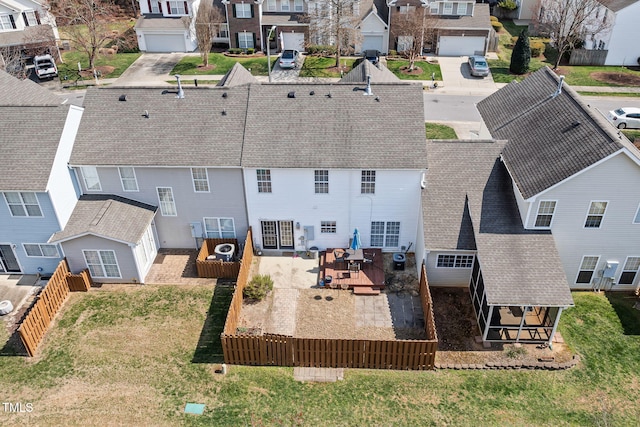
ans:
(164, 42)
(460, 46)
(372, 42)
(293, 41)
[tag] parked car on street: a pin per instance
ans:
(289, 58)
(478, 65)
(45, 67)
(372, 55)
(625, 117)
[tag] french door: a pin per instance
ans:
(8, 261)
(277, 234)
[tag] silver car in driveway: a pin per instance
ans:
(625, 117)
(478, 66)
(289, 58)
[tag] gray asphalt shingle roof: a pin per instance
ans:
(31, 124)
(204, 129)
(479, 21)
(617, 5)
(159, 22)
(335, 126)
(468, 203)
(107, 216)
(550, 137)
(379, 74)
(237, 76)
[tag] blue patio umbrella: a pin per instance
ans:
(355, 242)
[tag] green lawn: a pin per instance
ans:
(138, 354)
(438, 131)
(120, 62)
(397, 65)
(221, 64)
(324, 66)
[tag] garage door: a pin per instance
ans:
(372, 42)
(293, 41)
(164, 42)
(460, 46)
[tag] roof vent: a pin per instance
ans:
(559, 89)
(575, 124)
(180, 94)
(122, 98)
(224, 112)
(367, 91)
(312, 93)
(378, 98)
(146, 113)
(291, 94)
(224, 94)
(329, 95)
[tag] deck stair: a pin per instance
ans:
(365, 290)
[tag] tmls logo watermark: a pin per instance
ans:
(17, 407)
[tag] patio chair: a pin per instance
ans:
(339, 259)
(354, 269)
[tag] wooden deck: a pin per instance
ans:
(371, 275)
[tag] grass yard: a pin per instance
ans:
(221, 64)
(114, 64)
(397, 67)
(135, 355)
(438, 131)
(324, 66)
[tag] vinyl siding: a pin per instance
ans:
(124, 255)
(622, 51)
(447, 277)
(225, 199)
(614, 181)
(396, 198)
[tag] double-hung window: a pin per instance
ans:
(155, 6)
(462, 9)
(587, 268)
(41, 250)
(546, 209)
(30, 18)
(321, 181)
(368, 183)
(128, 179)
(200, 180)
(7, 22)
(102, 264)
(167, 203)
(385, 234)
(245, 40)
(91, 178)
(595, 214)
(630, 270)
(220, 228)
(271, 6)
(177, 7)
(298, 6)
(23, 204)
(243, 10)
(448, 8)
(264, 180)
(285, 6)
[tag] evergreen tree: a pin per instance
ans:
(521, 54)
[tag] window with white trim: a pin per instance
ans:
(368, 182)
(587, 268)
(23, 204)
(455, 261)
(30, 16)
(447, 8)
(546, 208)
(91, 178)
(167, 203)
(102, 264)
(41, 250)
(6, 22)
(264, 180)
(177, 8)
(200, 180)
(385, 234)
(223, 31)
(298, 6)
(462, 8)
(636, 220)
(434, 8)
(630, 270)
(406, 9)
(595, 214)
(328, 227)
(243, 10)
(128, 178)
(321, 181)
(155, 6)
(220, 228)
(285, 6)
(245, 40)
(271, 6)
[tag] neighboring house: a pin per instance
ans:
(38, 188)
(374, 27)
(365, 72)
(179, 154)
(335, 165)
(27, 25)
(169, 26)
(459, 28)
(572, 174)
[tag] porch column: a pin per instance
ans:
(555, 326)
(487, 323)
(524, 316)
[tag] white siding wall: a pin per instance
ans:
(523, 207)
(420, 252)
(225, 199)
(397, 198)
(372, 25)
(621, 46)
(60, 186)
(614, 181)
(450, 277)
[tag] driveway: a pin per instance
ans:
(280, 75)
(150, 69)
(456, 78)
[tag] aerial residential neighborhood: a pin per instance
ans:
(319, 212)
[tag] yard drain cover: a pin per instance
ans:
(317, 297)
(329, 298)
(194, 408)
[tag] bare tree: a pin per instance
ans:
(207, 22)
(87, 22)
(414, 28)
(570, 22)
(12, 62)
(334, 22)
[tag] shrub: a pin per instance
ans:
(521, 55)
(514, 39)
(235, 51)
(250, 51)
(258, 287)
(537, 47)
(496, 26)
(395, 53)
(513, 352)
(508, 4)
(126, 42)
(318, 49)
(493, 18)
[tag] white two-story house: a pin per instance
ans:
(27, 26)
(37, 189)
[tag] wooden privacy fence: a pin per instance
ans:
(235, 307)
(215, 268)
(284, 350)
(50, 300)
(588, 57)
